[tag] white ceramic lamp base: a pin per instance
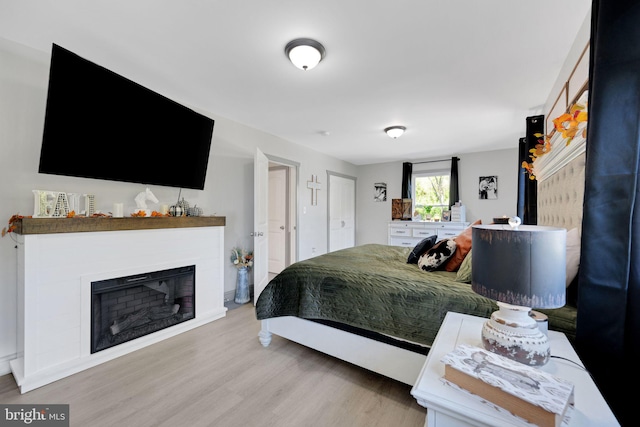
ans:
(513, 333)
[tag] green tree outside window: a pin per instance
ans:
(431, 196)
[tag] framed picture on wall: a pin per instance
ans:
(488, 187)
(380, 192)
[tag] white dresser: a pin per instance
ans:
(410, 233)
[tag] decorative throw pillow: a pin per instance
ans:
(573, 254)
(437, 255)
(463, 246)
(464, 272)
(421, 248)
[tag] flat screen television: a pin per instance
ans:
(101, 125)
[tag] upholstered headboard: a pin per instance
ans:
(561, 196)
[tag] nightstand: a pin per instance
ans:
(449, 407)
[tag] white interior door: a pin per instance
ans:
(278, 221)
(260, 223)
(342, 212)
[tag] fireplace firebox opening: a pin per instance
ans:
(126, 308)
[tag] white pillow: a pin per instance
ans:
(573, 254)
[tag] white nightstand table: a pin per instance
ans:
(449, 407)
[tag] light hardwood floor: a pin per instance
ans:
(220, 375)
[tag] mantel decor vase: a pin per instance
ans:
(242, 286)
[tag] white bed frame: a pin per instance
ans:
(385, 359)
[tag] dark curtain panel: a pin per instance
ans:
(523, 177)
(407, 170)
(608, 334)
(535, 124)
(454, 192)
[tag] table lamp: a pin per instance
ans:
(520, 267)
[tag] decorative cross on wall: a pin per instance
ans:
(314, 186)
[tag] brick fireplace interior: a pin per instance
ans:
(126, 308)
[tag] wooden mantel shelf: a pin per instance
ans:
(82, 224)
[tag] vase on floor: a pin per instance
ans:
(242, 286)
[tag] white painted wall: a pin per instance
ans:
(582, 38)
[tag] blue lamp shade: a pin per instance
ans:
(523, 266)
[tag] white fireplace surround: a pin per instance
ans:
(54, 302)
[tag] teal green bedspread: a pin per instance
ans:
(372, 287)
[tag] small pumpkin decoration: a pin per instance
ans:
(176, 210)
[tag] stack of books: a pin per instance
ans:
(523, 391)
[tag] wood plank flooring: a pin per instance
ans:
(220, 375)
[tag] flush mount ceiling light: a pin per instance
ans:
(304, 53)
(395, 131)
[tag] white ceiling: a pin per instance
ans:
(461, 75)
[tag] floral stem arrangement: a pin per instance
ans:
(241, 258)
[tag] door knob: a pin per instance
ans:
(282, 227)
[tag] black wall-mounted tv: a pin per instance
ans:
(101, 125)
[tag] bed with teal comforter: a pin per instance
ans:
(372, 287)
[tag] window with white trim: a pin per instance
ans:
(430, 194)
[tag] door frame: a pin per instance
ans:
(286, 225)
(294, 220)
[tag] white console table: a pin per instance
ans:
(449, 407)
(410, 233)
(59, 258)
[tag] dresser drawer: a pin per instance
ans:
(407, 242)
(424, 233)
(447, 234)
(393, 231)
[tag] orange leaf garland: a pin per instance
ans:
(567, 125)
(529, 168)
(12, 224)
